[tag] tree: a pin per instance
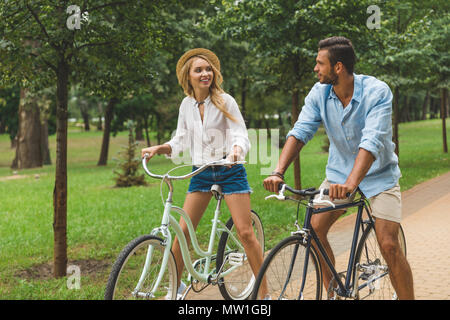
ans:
(29, 152)
(64, 37)
(127, 173)
(131, 62)
(394, 52)
(433, 39)
(285, 34)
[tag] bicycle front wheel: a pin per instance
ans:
(283, 270)
(373, 280)
(238, 283)
(131, 268)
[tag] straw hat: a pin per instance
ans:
(195, 52)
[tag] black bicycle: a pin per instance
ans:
(293, 268)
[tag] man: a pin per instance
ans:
(356, 113)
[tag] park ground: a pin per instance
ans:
(102, 219)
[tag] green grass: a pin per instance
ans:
(101, 219)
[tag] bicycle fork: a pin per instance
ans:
(167, 240)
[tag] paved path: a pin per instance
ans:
(426, 222)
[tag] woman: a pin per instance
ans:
(211, 126)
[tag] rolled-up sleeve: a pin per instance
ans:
(237, 129)
(309, 119)
(377, 131)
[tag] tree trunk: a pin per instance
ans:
(267, 123)
(244, 99)
(13, 146)
(443, 116)
(158, 127)
(425, 105)
(85, 116)
(139, 130)
(100, 115)
(295, 113)
(44, 142)
(45, 113)
(109, 113)
(447, 106)
(28, 148)
(407, 111)
(435, 106)
(403, 108)
(396, 119)
(60, 190)
(147, 135)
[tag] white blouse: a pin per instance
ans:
(210, 139)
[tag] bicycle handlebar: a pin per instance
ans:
(311, 192)
(304, 192)
(222, 162)
(308, 192)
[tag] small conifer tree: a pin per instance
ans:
(127, 173)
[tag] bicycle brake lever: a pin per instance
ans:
(280, 195)
(320, 200)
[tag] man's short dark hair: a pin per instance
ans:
(339, 49)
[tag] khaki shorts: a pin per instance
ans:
(385, 205)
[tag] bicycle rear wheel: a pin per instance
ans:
(374, 281)
(283, 270)
(129, 266)
(238, 284)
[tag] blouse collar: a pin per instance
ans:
(207, 100)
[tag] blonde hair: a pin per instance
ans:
(215, 89)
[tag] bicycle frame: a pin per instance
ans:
(346, 289)
(169, 221)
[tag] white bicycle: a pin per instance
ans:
(146, 268)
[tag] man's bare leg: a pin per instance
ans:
(399, 269)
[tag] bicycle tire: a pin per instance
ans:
(128, 268)
(372, 265)
(276, 268)
(239, 284)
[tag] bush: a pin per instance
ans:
(127, 174)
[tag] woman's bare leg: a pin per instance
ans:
(195, 205)
(239, 206)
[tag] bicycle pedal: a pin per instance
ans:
(364, 276)
(236, 259)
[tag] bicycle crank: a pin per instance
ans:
(333, 288)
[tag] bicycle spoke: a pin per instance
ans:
(129, 280)
(283, 270)
(374, 281)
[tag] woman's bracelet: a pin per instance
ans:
(276, 173)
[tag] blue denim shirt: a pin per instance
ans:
(364, 123)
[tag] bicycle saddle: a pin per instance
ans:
(217, 191)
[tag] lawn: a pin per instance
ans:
(102, 219)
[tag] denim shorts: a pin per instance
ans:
(232, 180)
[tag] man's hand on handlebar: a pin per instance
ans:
(340, 191)
(272, 183)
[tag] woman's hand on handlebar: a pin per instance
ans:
(235, 155)
(151, 151)
(271, 183)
